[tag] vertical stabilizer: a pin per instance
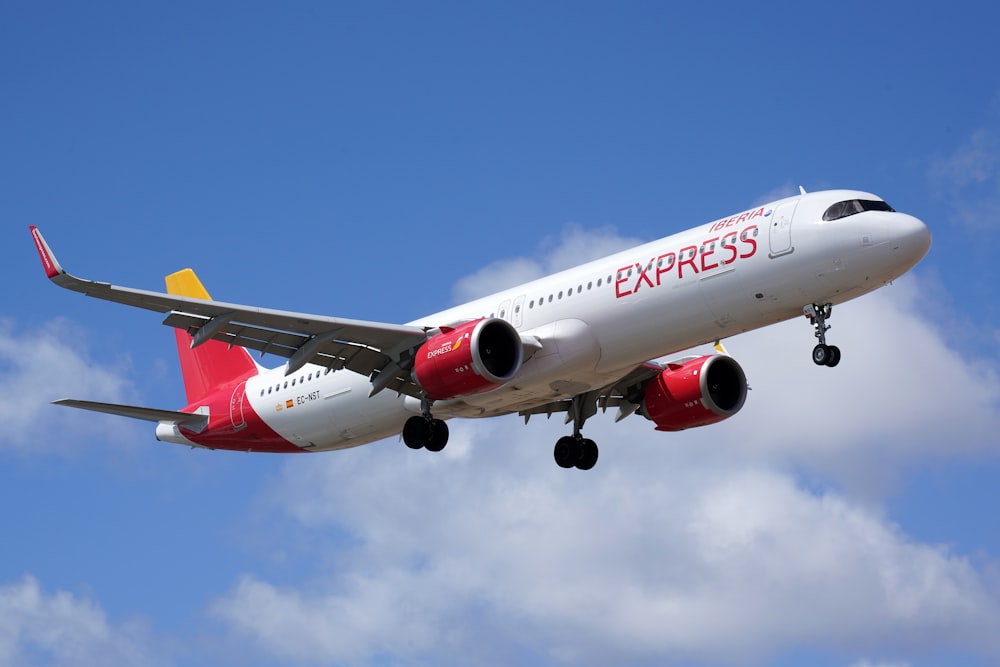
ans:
(212, 364)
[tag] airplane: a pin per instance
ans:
(575, 342)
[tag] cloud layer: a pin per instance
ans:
(39, 628)
(699, 547)
(37, 367)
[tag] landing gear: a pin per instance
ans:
(826, 355)
(822, 354)
(425, 432)
(575, 451)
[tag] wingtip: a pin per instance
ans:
(49, 262)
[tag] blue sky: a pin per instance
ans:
(381, 161)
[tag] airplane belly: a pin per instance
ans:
(333, 411)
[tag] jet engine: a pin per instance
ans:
(468, 359)
(695, 392)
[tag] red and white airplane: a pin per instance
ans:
(575, 342)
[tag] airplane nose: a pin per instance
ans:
(912, 237)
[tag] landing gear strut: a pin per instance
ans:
(576, 451)
(425, 432)
(822, 354)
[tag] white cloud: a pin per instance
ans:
(37, 367)
(787, 189)
(969, 178)
(573, 246)
(37, 628)
(652, 557)
(901, 394)
(696, 547)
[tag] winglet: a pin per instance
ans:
(49, 262)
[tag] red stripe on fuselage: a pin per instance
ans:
(235, 425)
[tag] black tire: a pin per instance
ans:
(567, 451)
(821, 355)
(438, 436)
(588, 455)
(415, 432)
(834, 356)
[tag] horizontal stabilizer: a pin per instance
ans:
(192, 421)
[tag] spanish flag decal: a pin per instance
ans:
(289, 403)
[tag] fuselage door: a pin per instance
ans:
(503, 312)
(781, 230)
(236, 406)
(517, 315)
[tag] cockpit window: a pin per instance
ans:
(842, 209)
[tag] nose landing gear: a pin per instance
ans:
(822, 354)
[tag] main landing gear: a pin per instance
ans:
(425, 432)
(576, 451)
(822, 354)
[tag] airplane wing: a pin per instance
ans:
(381, 351)
(626, 394)
(193, 421)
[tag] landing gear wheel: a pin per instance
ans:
(567, 451)
(823, 354)
(415, 432)
(421, 432)
(438, 436)
(588, 455)
(826, 355)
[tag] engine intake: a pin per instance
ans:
(468, 359)
(696, 392)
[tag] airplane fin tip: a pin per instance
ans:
(49, 262)
(186, 283)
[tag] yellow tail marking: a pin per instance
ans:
(186, 283)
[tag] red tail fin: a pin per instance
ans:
(212, 364)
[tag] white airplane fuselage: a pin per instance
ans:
(610, 315)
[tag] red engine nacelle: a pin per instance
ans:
(469, 359)
(695, 393)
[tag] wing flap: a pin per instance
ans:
(624, 394)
